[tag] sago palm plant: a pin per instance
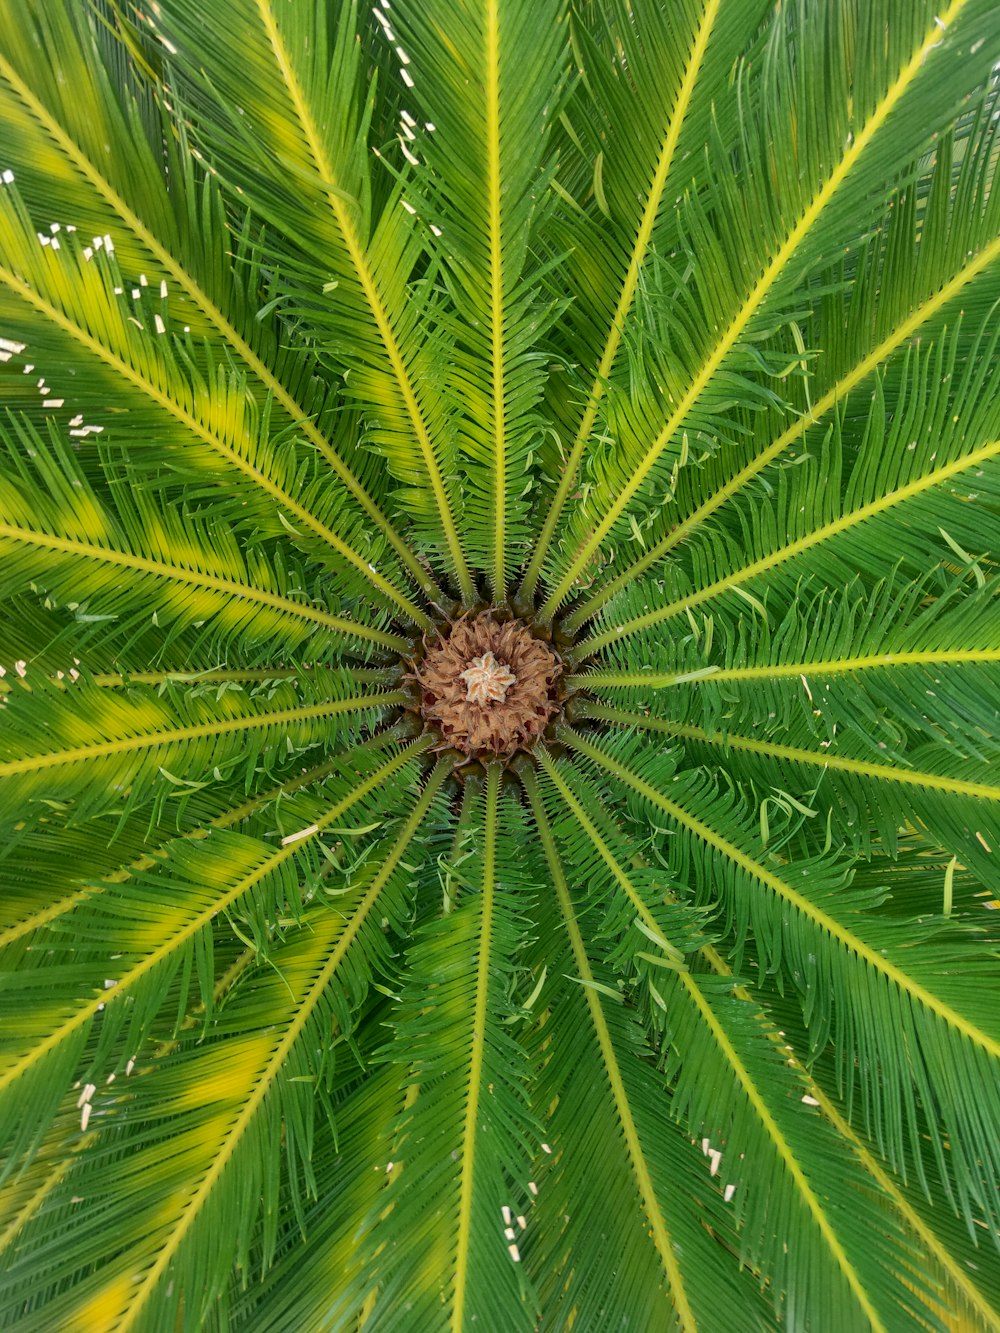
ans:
(498, 534)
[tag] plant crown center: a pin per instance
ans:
(488, 685)
(486, 679)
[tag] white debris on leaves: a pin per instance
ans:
(384, 23)
(714, 1156)
(9, 348)
(83, 1104)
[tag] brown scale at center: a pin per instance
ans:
(488, 686)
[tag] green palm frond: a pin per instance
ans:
(635, 966)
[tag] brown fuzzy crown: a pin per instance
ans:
(488, 686)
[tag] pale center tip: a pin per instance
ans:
(486, 678)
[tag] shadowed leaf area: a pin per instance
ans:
(499, 666)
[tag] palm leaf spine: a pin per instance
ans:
(753, 303)
(214, 441)
(829, 530)
(232, 336)
(644, 1183)
(653, 680)
(612, 342)
(228, 726)
(86, 1013)
(144, 1290)
(871, 957)
(983, 791)
(380, 314)
(464, 1226)
(905, 330)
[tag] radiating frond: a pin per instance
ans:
(161, 921)
(633, 117)
(450, 1259)
(841, 944)
(103, 747)
(948, 257)
(817, 201)
(90, 127)
(297, 104)
(623, 1145)
(480, 179)
(64, 541)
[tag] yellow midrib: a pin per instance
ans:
(29, 924)
(215, 442)
(868, 1162)
(783, 1148)
(748, 310)
(372, 295)
(151, 740)
(772, 749)
(905, 984)
(495, 211)
(636, 260)
(599, 680)
(176, 574)
(824, 533)
(83, 1016)
(55, 1173)
(911, 1217)
(644, 1182)
(830, 399)
(215, 316)
(463, 1230)
(780, 1143)
(279, 1058)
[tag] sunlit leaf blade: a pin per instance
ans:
(62, 118)
(823, 205)
(297, 101)
(103, 749)
(513, 52)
